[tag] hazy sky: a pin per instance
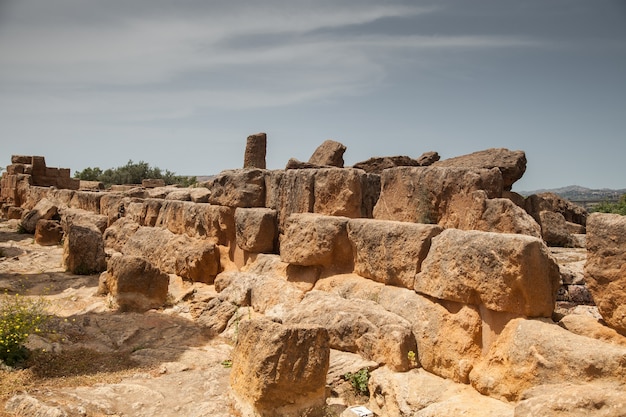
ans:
(181, 84)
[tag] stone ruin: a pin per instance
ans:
(434, 272)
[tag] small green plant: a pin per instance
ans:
(19, 317)
(227, 363)
(614, 208)
(359, 380)
(412, 358)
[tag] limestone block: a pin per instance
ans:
(48, 232)
(78, 216)
(388, 251)
(448, 334)
(280, 370)
(83, 249)
(239, 188)
(254, 156)
(573, 399)
(134, 283)
(62, 197)
(573, 213)
(329, 153)
(180, 195)
(505, 272)
(589, 326)
(605, 270)
(199, 195)
(512, 164)
(554, 229)
(357, 326)
(256, 229)
(43, 210)
(338, 192)
(290, 192)
(493, 215)
(86, 200)
(420, 394)
(192, 259)
(152, 182)
(313, 239)
(432, 194)
(530, 353)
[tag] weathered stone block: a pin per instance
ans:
(505, 272)
(280, 370)
(83, 249)
(256, 229)
(48, 232)
(254, 156)
(390, 252)
(239, 188)
(338, 192)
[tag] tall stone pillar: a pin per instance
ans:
(255, 151)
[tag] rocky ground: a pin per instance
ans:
(96, 361)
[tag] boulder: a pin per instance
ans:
(134, 283)
(328, 153)
(573, 213)
(199, 194)
(512, 164)
(256, 229)
(83, 249)
(589, 326)
(192, 259)
(338, 192)
(505, 272)
(238, 188)
(44, 209)
(214, 315)
(326, 238)
(418, 393)
(438, 195)
(448, 335)
(113, 206)
(572, 399)
(254, 156)
(554, 229)
(357, 326)
(428, 158)
(495, 215)
(530, 353)
(605, 270)
(280, 370)
(91, 185)
(86, 200)
(378, 164)
(48, 232)
(14, 213)
(390, 252)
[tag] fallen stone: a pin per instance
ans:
(48, 232)
(378, 164)
(43, 210)
(554, 229)
(238, 188)
(83, 249)
(328, 153)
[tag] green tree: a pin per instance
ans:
(615, 208)
(132, 173)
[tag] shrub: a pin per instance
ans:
(359, 380)
(615, 208)
(19, 317)
(132, 173)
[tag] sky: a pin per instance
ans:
(181, 84)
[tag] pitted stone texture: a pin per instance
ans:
(329, 153)
(238, 188)
(280, 370)
(83, 249)
(338, 192)
(512, 273)
(256, 229)
(313, 239)
(605, 270)
(388, 251)
(254, 156)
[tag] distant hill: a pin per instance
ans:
(577, 193)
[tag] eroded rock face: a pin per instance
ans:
(254, 156)
(437, 195)
(537, 203)
(377, 165)
(360, 326)
(48, 232)
(530, 353)
(192, 259)
(256, 229)
(554, 229)
(134, 283)
(280, 370)
(328, 153)
(83, 249)
(338, 192)
(390, 252)
(238, 188)
(512, 164)
(512, 273)
(605, 270)
(419, 393)
(312, 239)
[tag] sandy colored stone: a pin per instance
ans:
(388, 251)
(280, 370)
(48, 232)
(338, 192)
(83, 249)
(43, 210)
(254, 156)
(529, 353)
(330, 153)
(238, 188)
(505, 272)
(605, 270)
(586, 325)
(256, 229)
